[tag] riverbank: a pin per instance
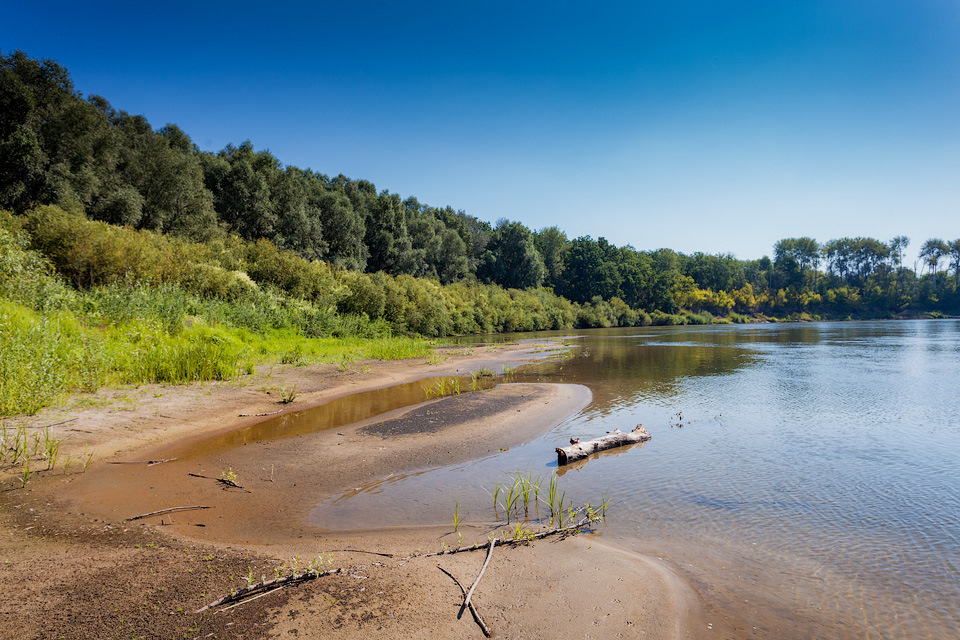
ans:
(85, 572)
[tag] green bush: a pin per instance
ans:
(667, 319)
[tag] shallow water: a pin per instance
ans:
(805, 478)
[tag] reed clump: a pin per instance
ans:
(22, 452)
(521, 498)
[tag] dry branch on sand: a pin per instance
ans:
(149, 463)
(268, 585)
(466, 599)
(473, 610)
(163, 511)
(579, 450)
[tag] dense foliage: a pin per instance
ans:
(297, 231)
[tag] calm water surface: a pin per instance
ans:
(805, 478)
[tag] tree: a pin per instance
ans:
(387, 237)
(552, 243)
(512, 260)
(55, 147)
(591, 269)
(166, 171)
(238, 179)
(955, 260)
(343, 227)
(897, 246)
(793, 256)
(931, 252)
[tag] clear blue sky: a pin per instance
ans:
(696, 125)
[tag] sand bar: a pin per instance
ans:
(86, 570)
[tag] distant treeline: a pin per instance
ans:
(367, 250)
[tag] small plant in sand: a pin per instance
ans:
(518, 534)
(51, 449)
(228, 476)
(456, 516)
(288, 394)
(482, 372)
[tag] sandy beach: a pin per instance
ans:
(75, 567)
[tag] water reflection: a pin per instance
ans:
(337, 413)
(815, 477)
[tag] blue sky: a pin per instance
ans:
(699, 126)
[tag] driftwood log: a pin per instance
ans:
(579, 450)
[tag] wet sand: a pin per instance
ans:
(570, 588)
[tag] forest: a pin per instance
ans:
(100, 163)
(129, 255)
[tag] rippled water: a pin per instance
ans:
(805, 478)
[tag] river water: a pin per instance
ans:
(805, 478)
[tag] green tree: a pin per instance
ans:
(931, 252)
(552, 244)
(55, 148)
(590, 269)
(512, 260)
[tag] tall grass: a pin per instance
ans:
(514, 499)
(40, 358)
(127, 328)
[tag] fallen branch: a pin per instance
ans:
(473, 609)
(162, 511)
(259, 415)
(574, 528)
(267, 585)
(466, 601)
(229, 483)
(579, 450)
(149, 463)
(373, 553)
(265, 593)
(57, 424)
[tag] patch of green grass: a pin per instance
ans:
(288, 394)
(442, 388)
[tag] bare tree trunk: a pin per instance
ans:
(579, 450)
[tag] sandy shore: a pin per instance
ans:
(82, 571)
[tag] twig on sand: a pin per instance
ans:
(267, 585)
(473, 609)
(57, 424)
(373, 553)
(265, 593)
(466, 600)
(226, 481)
(574, 528)
(259, 415)
(170, 510)
(149, 463)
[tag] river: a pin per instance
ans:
(805, 478)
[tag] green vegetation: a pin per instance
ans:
(142, 317)
(128, 255)
(21, 449)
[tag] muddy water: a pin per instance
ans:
(339, 412)
(805, 478)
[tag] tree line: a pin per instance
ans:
(90, 159)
